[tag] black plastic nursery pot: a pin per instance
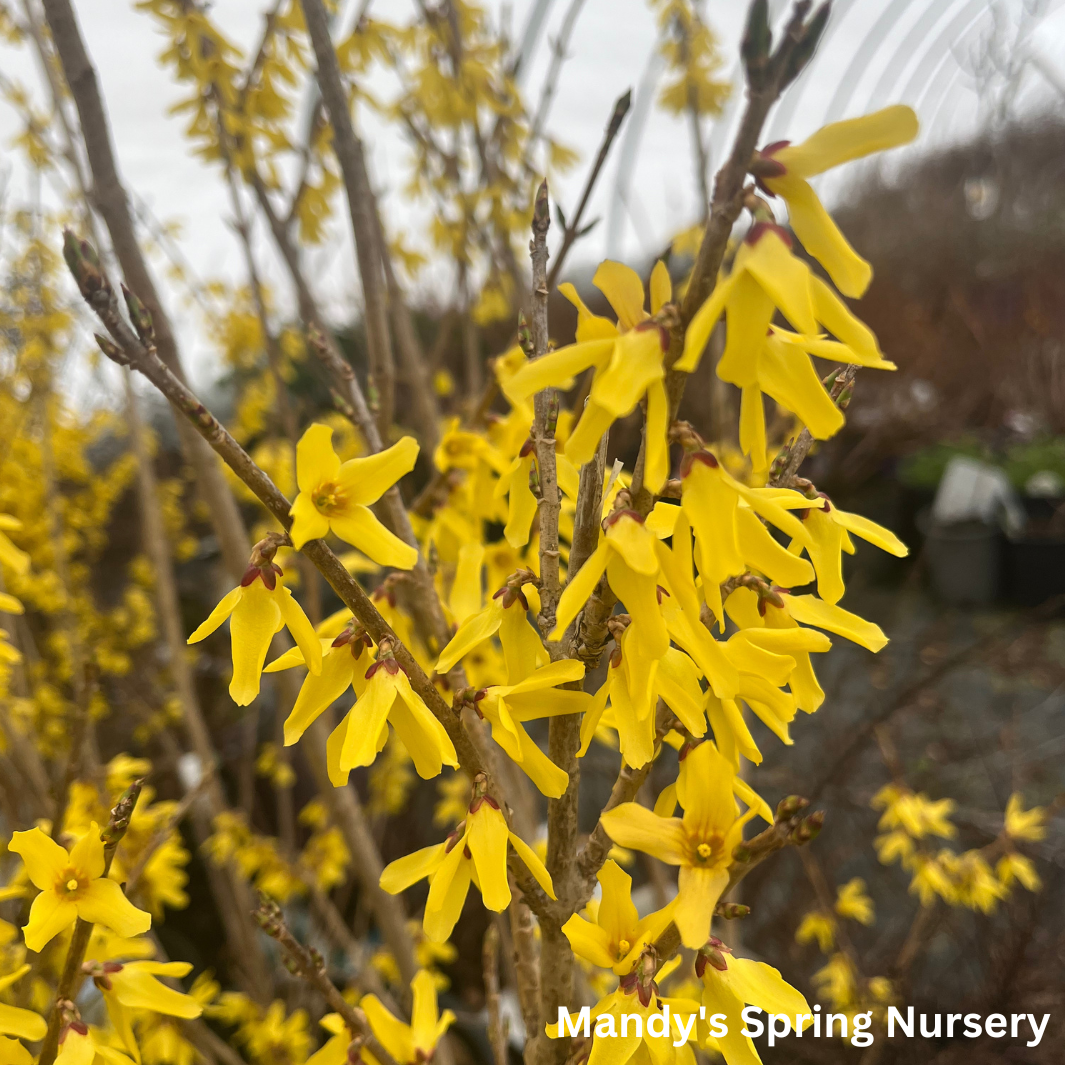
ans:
(1033, 569)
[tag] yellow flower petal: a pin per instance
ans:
(634, 826)
(826, 554)
(308, 522)
(521, 504)
(809, 610)
(486, 836)
(821, 237)
(319, 692)
(656, 469)
(301, 629)
(471, 634)
(533, 864)
(43, 857)
(787, 375)
(393, 1034)
(761, 985)
(704, 789)
(579, 588)
(853, 138)
(589, 941)
(661, 287)
(102, 902)
(762, 552)
(465, 597)
(49, 915)
(785, 278)
(254, 621)
(24, 1024)
(702, 324)
(583, 442)
(698, 892)
(752, 427)
(369, 715)
(750, 311)
(589, 326)
(623, 288)
(87, 855)
(364, 480)
(222, 611)
(559, 368)
(136, 987)
(316, 461)
(358, 527)
(403, 872)
(425, 738)
(447, 893)
(861, 526)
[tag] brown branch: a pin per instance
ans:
(573, 225)
(545, 416)
(162, 834)
(67, 988)
(786, 464)
(497, 1028)
(308, 964)
(526, 963)
(352, 160)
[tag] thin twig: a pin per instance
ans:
(162, 834)
(352, 160)
(309, 965)
(573, 224)
(787, 463)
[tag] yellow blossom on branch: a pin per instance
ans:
(336, 496)
(72, 885)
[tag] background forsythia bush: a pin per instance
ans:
(425, 694)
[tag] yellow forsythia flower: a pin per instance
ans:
(337, 496)
(72, 885)
(701, 842)
(783, 168)
(410, 1044)
(479, 843)
(617, 936)
(257, 608)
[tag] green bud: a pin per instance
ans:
(139, 316)
(807, 45)
(757, 42)
(730, 911)
(788, 807)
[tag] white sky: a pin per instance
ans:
(875, 52)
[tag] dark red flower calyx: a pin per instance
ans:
(454, 836)
(622, 512)
(386, 659)
(707, 458)
(355, 638)
(765, 167)
(653, 323)
(760, 229)
(689, 745)
(268, 572)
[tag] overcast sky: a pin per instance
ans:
(875, 52)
